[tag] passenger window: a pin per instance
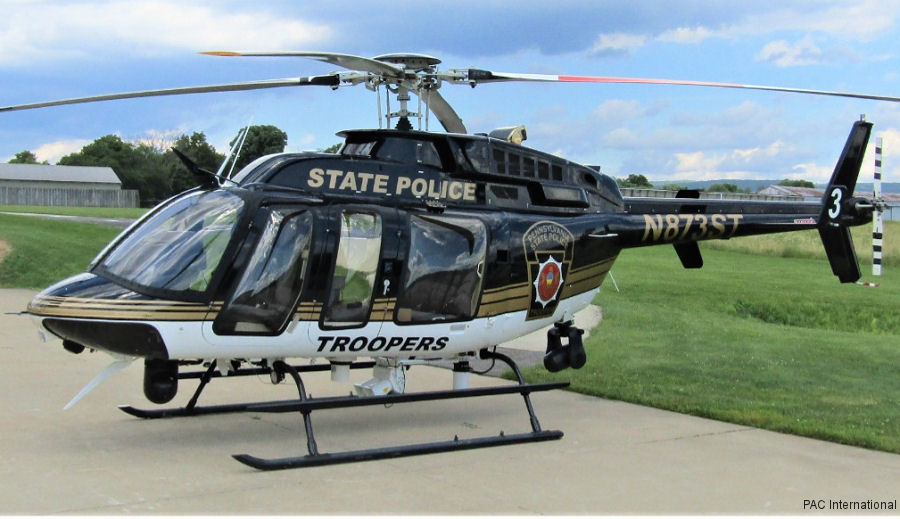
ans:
(556, 170)
(500, 161)
(528, 167)
(427, 154)
(477, 152)
(444, 271)
(270, 286)
(515, 164)
(353, 282)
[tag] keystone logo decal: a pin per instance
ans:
(548, 282)
(548, 251)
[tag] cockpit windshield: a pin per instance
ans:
(180, 247)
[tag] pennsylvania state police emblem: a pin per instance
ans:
(548, 251)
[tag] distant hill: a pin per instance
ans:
(756, 185)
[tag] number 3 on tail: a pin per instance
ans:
(835, 209)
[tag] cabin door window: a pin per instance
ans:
(444, 270)
(355, 270)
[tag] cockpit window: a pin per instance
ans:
(180, 247)
(404, 149)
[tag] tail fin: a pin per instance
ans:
(839, 209)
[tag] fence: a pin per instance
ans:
(71, 197)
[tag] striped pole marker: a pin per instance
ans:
(878, 225)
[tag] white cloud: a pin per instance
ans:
(302, 142)
(890, 156)
(752, 154)
(697, 165)
(33, 31)
(617, 44)
(732, 164)
(849, 20)
(686, 35)
(856, 20)
(784, 54)
(811, 171)
(617, 110)
(53, 151)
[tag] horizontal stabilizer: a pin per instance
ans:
(689, 254)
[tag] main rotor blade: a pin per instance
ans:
(326, 80)
(347, 61)
(487, 76)
(445, 113)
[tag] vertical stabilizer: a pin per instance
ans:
(838, 200)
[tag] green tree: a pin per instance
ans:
(138, 166)
(796, 183)
(261, 140)
(726, 188)
(673, 187)
(333, 148)
(25, 157)
(633, 180)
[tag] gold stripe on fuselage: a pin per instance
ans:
(517, 297)
(586, 278)
(156, 310)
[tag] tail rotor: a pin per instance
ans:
(878, 215)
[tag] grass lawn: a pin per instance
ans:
(807, 244)
(776, 343)
(42, 252)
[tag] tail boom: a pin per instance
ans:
(683, 222)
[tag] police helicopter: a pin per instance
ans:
(406, 247)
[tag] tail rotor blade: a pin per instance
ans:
(877, 220)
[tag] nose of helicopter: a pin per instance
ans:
(89, 311)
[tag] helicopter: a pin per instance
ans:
(406, 247)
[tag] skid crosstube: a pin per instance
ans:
(191, 409)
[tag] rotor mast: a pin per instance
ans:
(419, 76)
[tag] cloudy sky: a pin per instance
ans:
(61, 49)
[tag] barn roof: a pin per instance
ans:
(806, 192)
(49, 173)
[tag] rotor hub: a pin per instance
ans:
(412, 62)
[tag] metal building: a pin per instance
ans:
(42, 184)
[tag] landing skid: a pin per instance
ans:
(456, 444)
(305, 405)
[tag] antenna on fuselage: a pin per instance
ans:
(235, 151)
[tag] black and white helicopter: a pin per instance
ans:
(404, 248)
